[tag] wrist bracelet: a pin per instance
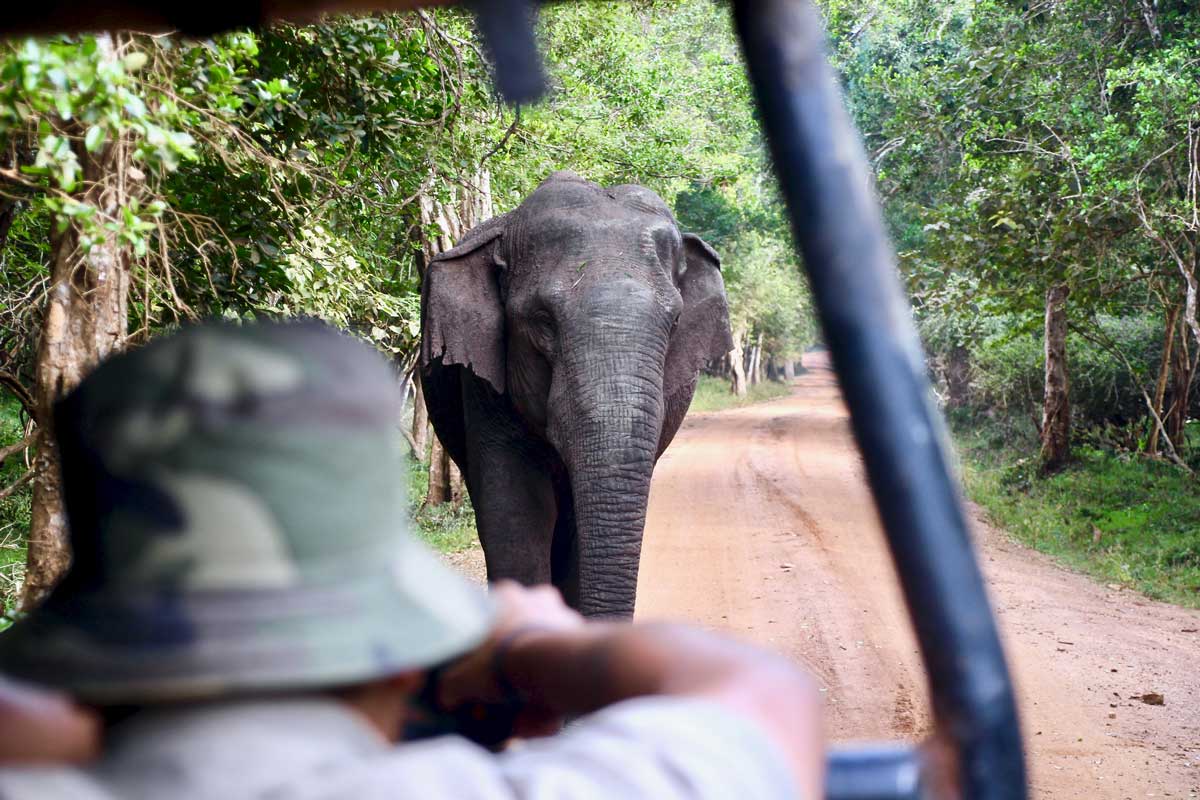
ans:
(512, 695)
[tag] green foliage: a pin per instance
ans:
(651, 93)
(1122, 519)
(1024, 146)
(72, 98)
(767, 294)
(1007, 362)
(712, 394)
(280, 169)
(312, 185)
(1019, 147)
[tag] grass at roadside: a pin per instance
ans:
(712, 394)
(445, 528)
(1118, 517)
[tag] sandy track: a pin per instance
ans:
(760, 524)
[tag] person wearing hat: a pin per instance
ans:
(249, 613)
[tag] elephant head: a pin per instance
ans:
(589, 309)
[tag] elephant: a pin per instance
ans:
(561, 345)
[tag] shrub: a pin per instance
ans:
(1007, 361)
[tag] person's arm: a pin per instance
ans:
(39, 727)
(564, 666)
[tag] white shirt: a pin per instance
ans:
(319, 749)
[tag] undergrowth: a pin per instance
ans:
(14, 512)
(446, 528)
(712, 394)
(1120, 517)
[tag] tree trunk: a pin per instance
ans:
(420, 424)
(752, 364)
(440, 490)
(757, 377)
(8, 212)
(86, 319)
(1056, 407)
(736, 362)
(789, 370)
(454, 480)
(1181, 383)
(1160, 386)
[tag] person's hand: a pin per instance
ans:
(37, 727)
(522, 614)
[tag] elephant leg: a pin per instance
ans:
(509, 482)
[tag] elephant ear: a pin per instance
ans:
(462, 318)
(703, 330)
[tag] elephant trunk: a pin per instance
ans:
(609, 440)
(610, 514)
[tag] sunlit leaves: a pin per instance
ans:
(80, 98)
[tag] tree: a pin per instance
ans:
(1056, 407)
(1034, 150)
(92, 131)
(292, 191)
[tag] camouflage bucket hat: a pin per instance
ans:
(238, 522)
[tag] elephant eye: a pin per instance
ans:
(543, 325)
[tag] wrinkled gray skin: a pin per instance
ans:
(561, 346)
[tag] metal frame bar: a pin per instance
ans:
(836, 221)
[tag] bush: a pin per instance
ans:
(1102, 387)
(14, 511)
(1007, 362)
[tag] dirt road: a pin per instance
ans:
(760, 524)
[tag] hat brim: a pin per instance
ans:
(412, 613)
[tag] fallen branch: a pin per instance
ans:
(408, 437)
(1095, 335)
(21, 481)
(14, 448)
(13, 384)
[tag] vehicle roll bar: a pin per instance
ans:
(822, 171)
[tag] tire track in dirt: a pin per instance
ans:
(761, 525)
